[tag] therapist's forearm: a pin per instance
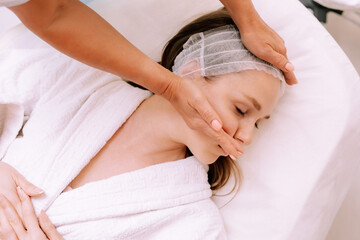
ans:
(242, 11)
(76, 30)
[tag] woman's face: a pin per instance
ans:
(242, 100)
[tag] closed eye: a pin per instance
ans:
(239, 111)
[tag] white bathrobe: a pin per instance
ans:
(68, 112)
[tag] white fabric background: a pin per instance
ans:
(302, 161)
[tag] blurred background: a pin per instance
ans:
(346, 31)
(344, 26)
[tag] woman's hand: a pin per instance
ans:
(9, 180)
(12, 227)
(199, 115)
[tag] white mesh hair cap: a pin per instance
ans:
(220, 51)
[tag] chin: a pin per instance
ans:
(204, 149)
(207, 158)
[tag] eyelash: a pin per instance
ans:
(239, 111)
(242, 113)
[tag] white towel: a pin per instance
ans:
(73, 110)
(165, 201)
(11, 121)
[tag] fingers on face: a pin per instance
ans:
(230, 145)
(207, 113)
(205, 124)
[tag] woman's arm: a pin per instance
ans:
(258, 37)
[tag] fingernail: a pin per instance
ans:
(289, 67)
(21, 193)
(232, 157)
(39, 191)
(240, 153)
(216, 125)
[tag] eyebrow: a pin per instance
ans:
(256, 104)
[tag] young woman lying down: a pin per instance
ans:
(115, 161)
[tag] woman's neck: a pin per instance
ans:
(155, 132)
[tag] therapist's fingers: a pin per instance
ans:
(266, 44)
(290, 78)
(207, 121)
(207, 113)
(202, 106)
(188, 99)
(230, 146)
(281, 61)
(12, 218)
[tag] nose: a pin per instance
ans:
(245, 134)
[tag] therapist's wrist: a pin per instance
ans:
(242, 12)
(169, 86)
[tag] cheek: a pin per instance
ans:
(227, 114)
(230, 121)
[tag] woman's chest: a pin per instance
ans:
(119, 155)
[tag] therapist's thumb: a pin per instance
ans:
(29, 188)
(278, 60)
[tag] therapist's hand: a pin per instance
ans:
(9, 180)
(193, 105)
(28, 227)
(266, 44)
(259, 38)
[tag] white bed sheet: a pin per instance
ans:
(301, 162)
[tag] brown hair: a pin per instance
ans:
(221, 170)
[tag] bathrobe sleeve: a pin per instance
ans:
(25, 75)
(30, 78)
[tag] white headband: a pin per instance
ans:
(220, 51)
